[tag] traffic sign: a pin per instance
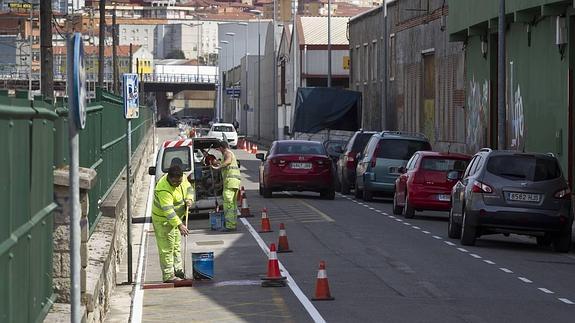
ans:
(19, 5)
(131, 96)
(77, 80)
(234, 92)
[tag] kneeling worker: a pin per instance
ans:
(232, 179)
(172, 194)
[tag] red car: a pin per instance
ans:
(423, 183)
(296, 165)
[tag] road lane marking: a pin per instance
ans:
(416, 228)
(390, 216)
(462, 250)
(489, 262)
(406, 223)
(506, 270)
(545, 290)
(398, 220)
(525, 280)
(426, 232)
(566, 301)
(312, 311)
(437, 237)
(475, 256)
(449, 243)
(311, 207)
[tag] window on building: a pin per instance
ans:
(392, 57)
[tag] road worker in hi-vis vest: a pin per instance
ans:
(231, 178)
(173, 195)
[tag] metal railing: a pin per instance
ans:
(179, 78)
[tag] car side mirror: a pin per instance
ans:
(453, 175)
(402, 170)
(152, 170)
(260, 156)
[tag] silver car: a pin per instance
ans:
(511, 192)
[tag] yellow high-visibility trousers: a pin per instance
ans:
(168, 239)
(230, 207)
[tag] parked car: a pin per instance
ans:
(511, 192)
(334, 149)
(423, 183)
(224, 130)
(296, 165)
(348, 159)
(188, 153)
(168, 121)
(379, 163)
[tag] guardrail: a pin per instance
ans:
(179, 78)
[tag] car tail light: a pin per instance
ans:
(374, 156)
(563, 194)
(350, 160)
(323, 162)
(278, 162)
(479, 187)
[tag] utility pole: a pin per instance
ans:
(116, 76)
(275, 76)
(501, 138)
(329, 42)
(101, 39)
(259, 79)
(384, 77)
(46, 55)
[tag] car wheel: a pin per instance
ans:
(367, 195)
(344, 186)
(408, 210)
(357, 191)
(544, 241)
(453, 229)
(397, 210)
(260, 188)
(328, 194)
(562, 241)
(468, 231)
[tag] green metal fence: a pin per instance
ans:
(26, 197)
(102, 143)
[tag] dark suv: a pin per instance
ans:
(347, 160)
(511, 192)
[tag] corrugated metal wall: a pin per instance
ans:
(26, 196)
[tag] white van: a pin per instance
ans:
(207, 182)
(219, 130)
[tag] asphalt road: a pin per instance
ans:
(384, 268)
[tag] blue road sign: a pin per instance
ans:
(131, 96)
(234, 92)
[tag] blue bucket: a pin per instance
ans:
(203, 265)
(217, 221)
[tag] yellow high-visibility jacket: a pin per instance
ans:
(169, 202)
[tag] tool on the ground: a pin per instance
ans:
(283, 245)
(265, 223)
(322, 286)
(273, 278)
(186, 238)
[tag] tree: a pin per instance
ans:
(176, 54)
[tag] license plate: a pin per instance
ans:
(524, 197)
(300, 165)
(444, 197)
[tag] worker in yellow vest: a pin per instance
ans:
(232, 179)
(172, 194)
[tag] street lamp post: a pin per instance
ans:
(225, 42)
(220, 96)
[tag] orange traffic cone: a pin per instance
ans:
(245, 210)
(248, 147)
(274, 278)
(265, 225)
(283, 245)
(254, 149)
(240, 195)
(322, 286)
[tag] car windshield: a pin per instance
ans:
(400, 149)
(444, 164)
(176, 156)
(524, 167)
(223, 129)
(300, 149)
(361, 141)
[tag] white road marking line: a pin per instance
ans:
(398, 220)
(545, 290)
(525, 280)
(369, 208)
(489, 262)
(311, 207)
(416, 228)
(384, 213)
(506, 270)
(449, 243)
(406, 223)
(437, 237)
(462, 250)
(138, 301)
(566, 301)
(475, 256)
(378, 211)
(426, 232)
(312, 311)
(390, 216)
